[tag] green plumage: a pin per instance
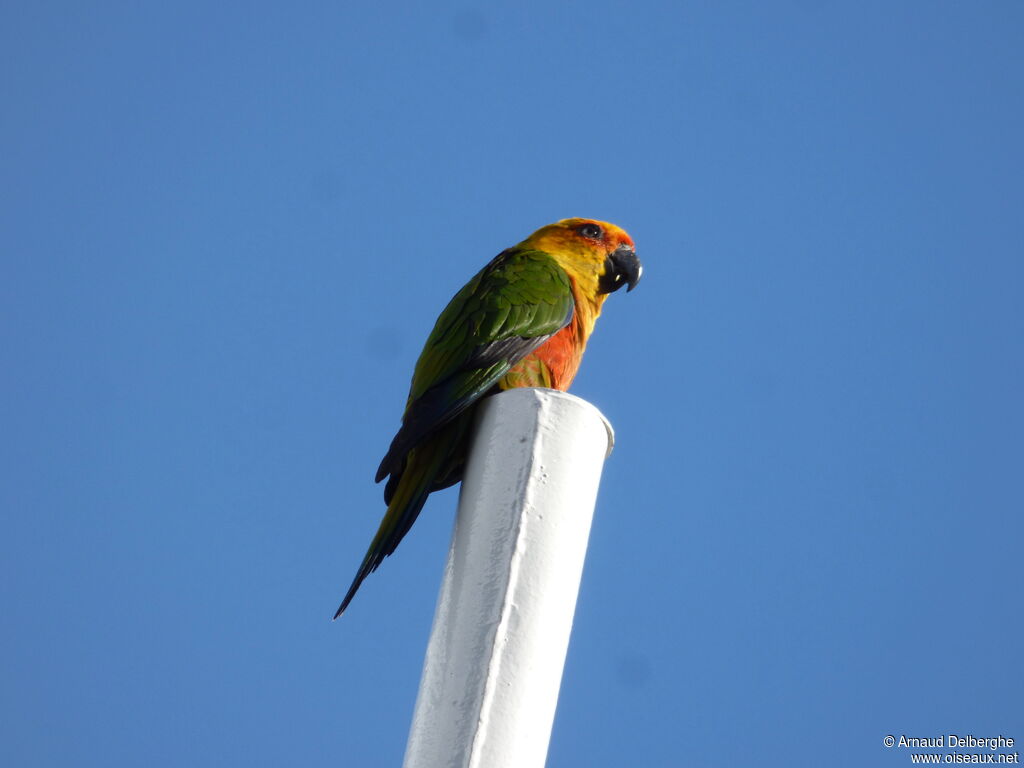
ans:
(520, 293)
(511, 307)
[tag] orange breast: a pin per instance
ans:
(553, 364)
(561, 355)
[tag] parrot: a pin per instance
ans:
(522, 321)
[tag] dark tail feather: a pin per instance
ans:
(405, 506)
(435, 464)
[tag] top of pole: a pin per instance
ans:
(557, 395)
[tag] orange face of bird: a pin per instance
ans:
(596, 254)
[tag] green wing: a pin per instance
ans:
(511, 307)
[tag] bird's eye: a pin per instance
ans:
(591, 230)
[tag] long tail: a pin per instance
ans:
(422, 468)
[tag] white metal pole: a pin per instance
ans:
(501, 630)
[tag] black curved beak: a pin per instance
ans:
(621, 268)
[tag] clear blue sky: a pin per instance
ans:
(227, 228)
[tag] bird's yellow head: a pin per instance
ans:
(598, 256)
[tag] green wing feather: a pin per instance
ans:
(511, 307)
